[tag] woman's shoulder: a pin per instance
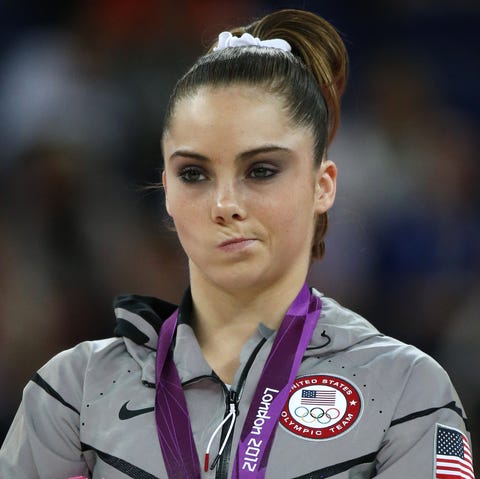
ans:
(353, 336)
(80, 357)
(403, 374)
(66, 372)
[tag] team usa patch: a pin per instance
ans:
(321, 407)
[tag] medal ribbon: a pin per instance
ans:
(256, 439)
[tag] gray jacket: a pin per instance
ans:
(363, 405)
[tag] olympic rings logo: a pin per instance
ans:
(317, 414)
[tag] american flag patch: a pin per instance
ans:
(453, 456)
(311, 397)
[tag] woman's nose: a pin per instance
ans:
(227, 205)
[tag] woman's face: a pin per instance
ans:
(242, 188)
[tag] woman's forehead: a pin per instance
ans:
(223, 96)
(232, 109)
(223, 122)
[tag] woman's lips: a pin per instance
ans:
(236, 244)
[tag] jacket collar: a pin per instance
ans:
(139, 319)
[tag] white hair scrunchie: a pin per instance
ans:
(227, 40)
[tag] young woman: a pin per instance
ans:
(254, 374)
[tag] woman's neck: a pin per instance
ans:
(224, 321)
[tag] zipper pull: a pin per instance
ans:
(233, 400)
(232, 415)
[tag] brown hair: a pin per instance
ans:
(310, 79)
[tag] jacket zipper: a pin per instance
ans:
(233, 397)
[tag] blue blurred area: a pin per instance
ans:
(83, 87)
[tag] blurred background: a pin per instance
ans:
(83, 87)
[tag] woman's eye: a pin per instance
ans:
(261, 172)
(191, 175)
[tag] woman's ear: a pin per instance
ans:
(325, 186)
(165, 189)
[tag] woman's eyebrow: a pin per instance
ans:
(261, 149)
(245, 155)
(188, 154)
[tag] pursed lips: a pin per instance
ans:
(236, 244)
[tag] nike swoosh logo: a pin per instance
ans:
(126, 413)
